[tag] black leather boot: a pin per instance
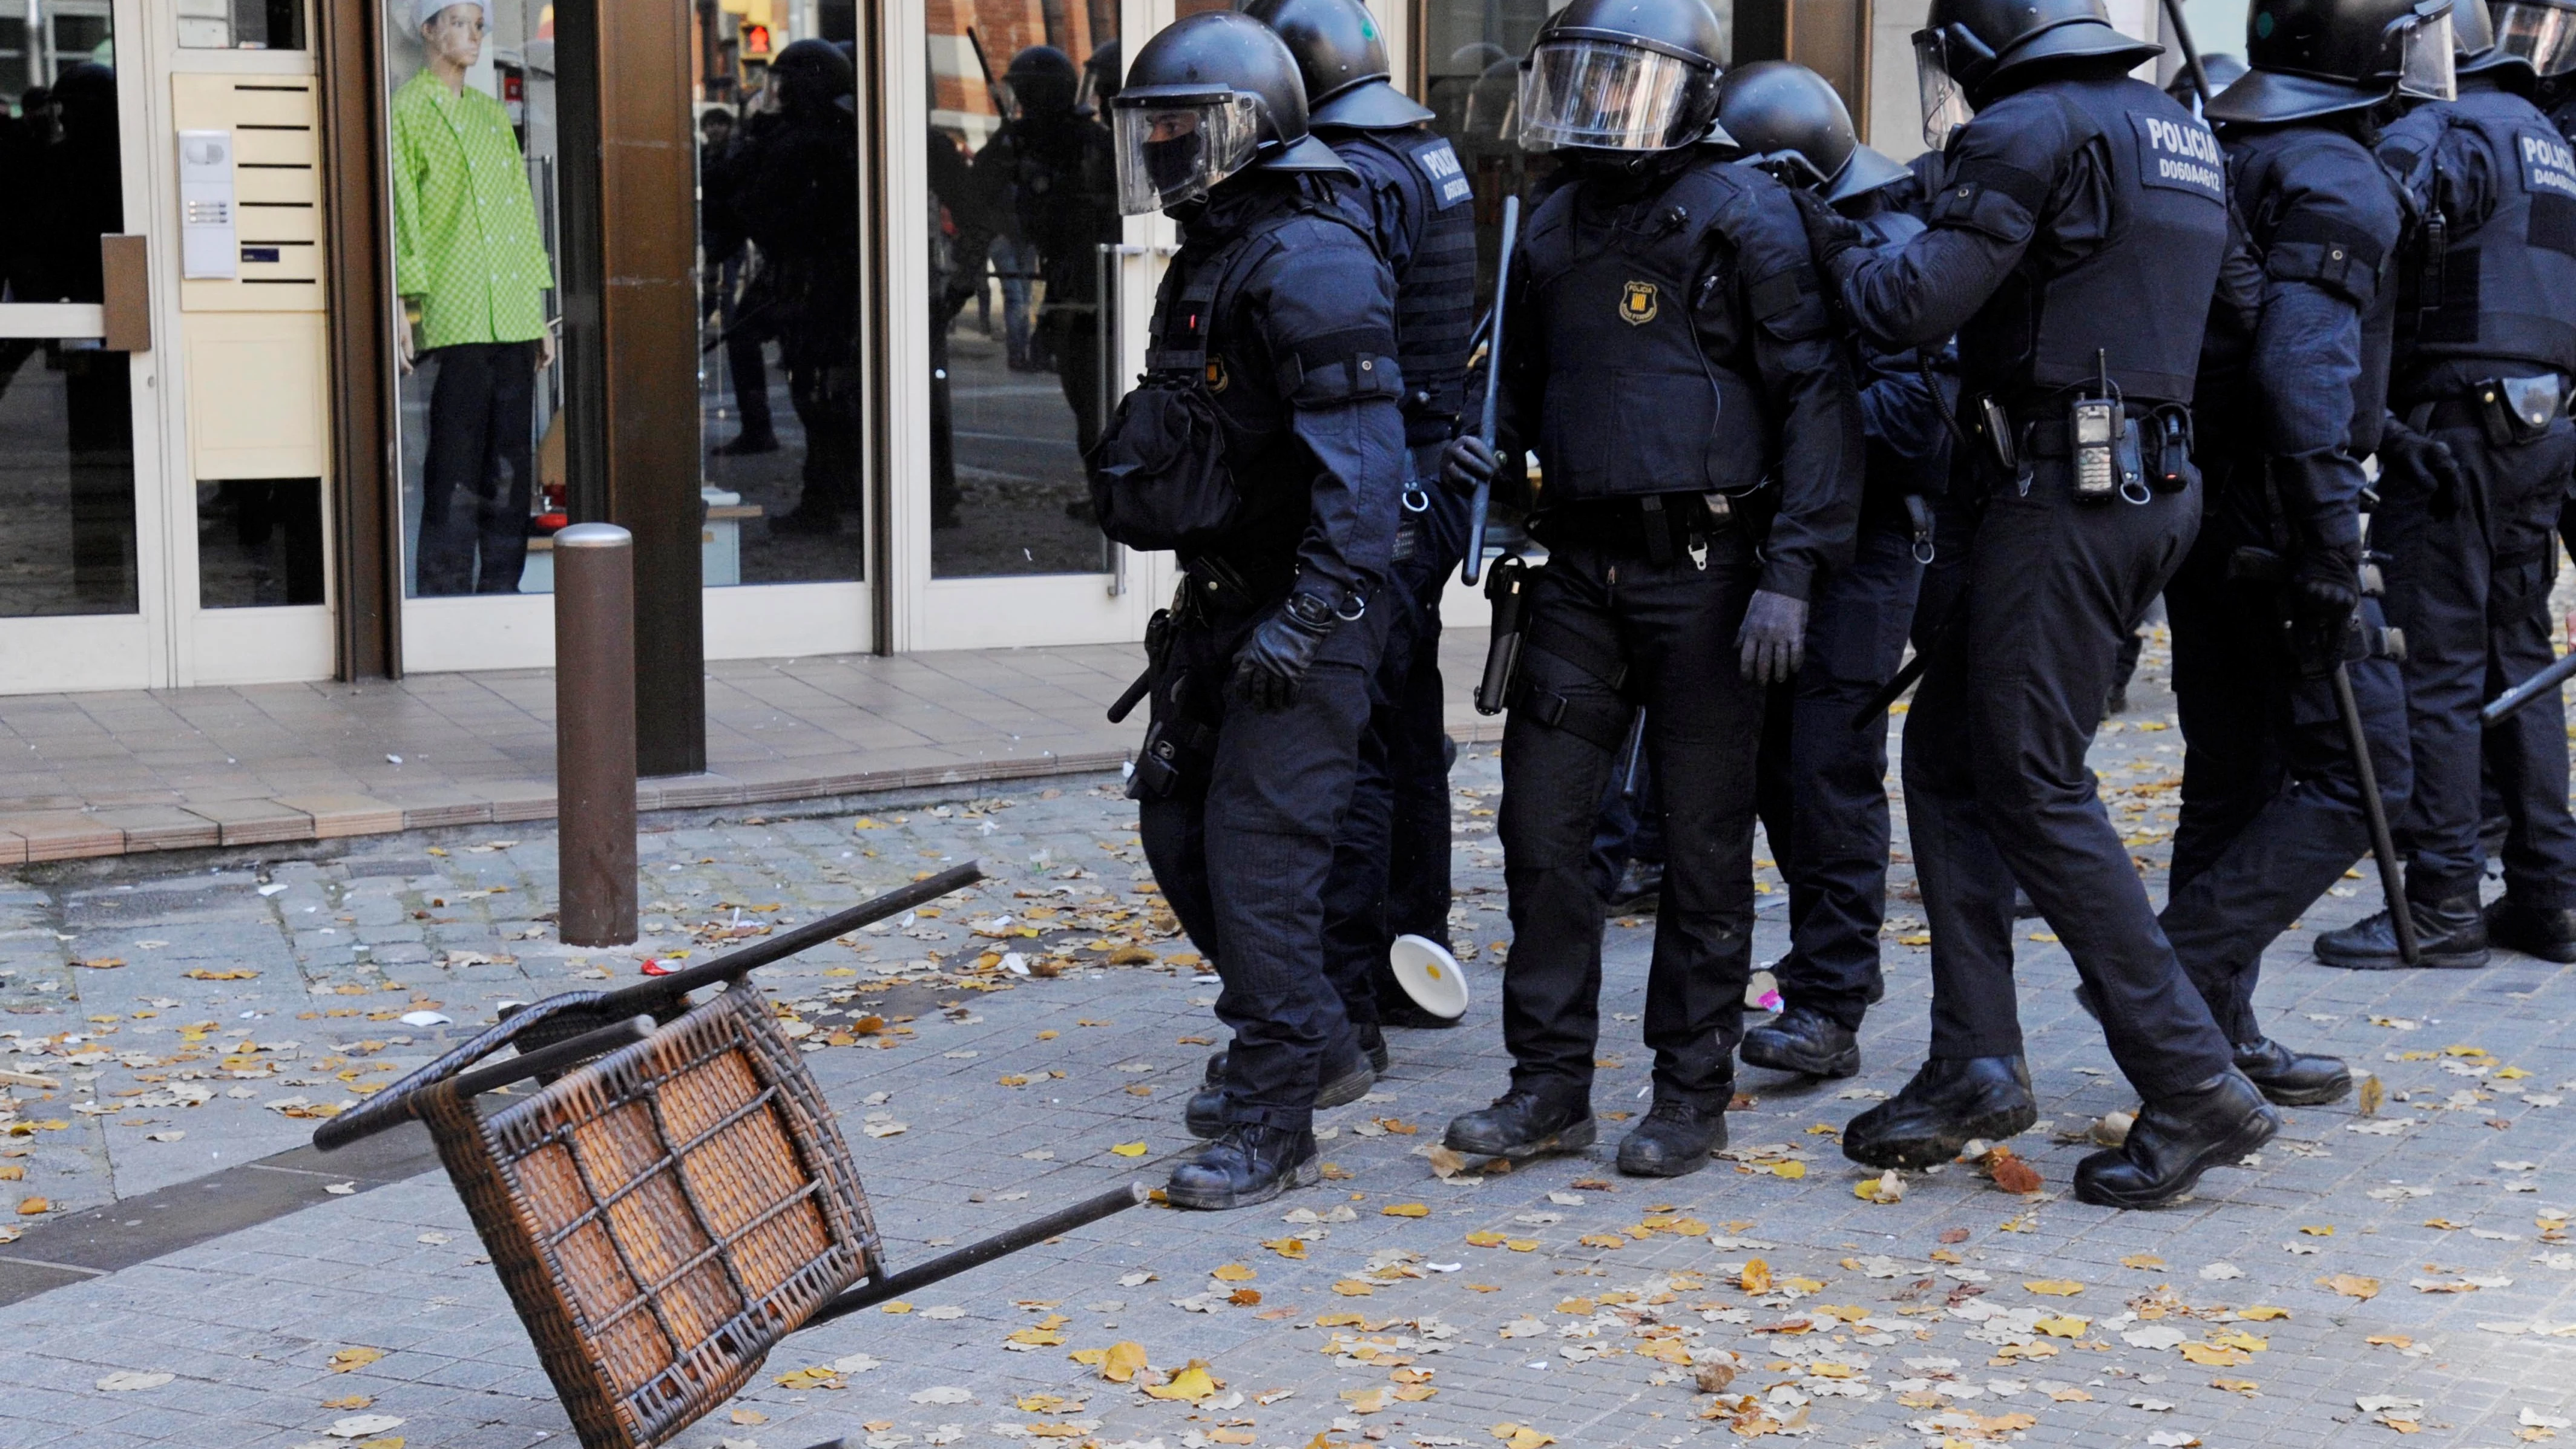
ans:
(1676, 1139)
(1523, 1124)
(1640, 889)
(2549, 935)
(1806, 1041)
(1947, 1104)
(2175, 1140)
(2452, 934)
(2292, 1079)
(1245, 1166)
(1205, 1115)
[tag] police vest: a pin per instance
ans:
(1635, 404)
(1435, 293)
(2139, 302)
(2505, 288)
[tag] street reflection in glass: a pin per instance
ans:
(66, 406)
(780, 385)
(1023, 197)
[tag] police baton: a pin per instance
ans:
(2190, 56)
(1484, 498)
(2392, 883)
(2545, 682)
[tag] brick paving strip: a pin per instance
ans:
(1949, 1316)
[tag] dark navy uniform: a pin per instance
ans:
(2471, 568)
(1671, 358)
(2078, 230)
(1823, 787)
(2271, 802)
(1391, 862)
(1279, 301)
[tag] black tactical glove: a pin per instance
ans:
(2401, 448)
(1469, 463)
(1829, 232)
(1270, 666)
(1774, 637)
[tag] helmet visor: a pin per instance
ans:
(1945, 103)
(2541, 33)
(1172, 149)
(1603, 96)
(2426, 65)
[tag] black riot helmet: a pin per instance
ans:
(1791, 122)
(2541, 31)
(1042, 81)
(2473, 27)
(1100, 76)
(1625, 77)
(1341, 55)
(810, 75)
(2223, 69)
(1969, 51)
(1210, 96)
(2323, 57)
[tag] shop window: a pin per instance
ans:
(781, 405)
(259, 542)
(1022, 203)
(241, 24)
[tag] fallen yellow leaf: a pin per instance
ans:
(1404, 1210)
(2262, 1313)
(2054, 1287)
(349, 1359)
(2062, 1326)
(1486, 1239)
(1129, 1149)
(33, 1206)
(1522, 1436)
(350, 1401)
(2142, 1260)
(1791, 1170)
(1603, 1240)
(1756, 1277)
(2234, 1386)
(1286, 1247)
(897, 1306)
(1365, 1401)
(1353, 1288)
(2352, 1285)
(1521, 1245)
(2211, 1355)
(2321, 1230)
(1193, 1383)
(1238, 1273)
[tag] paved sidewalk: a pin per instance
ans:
(84, 775)
(1559, 1298)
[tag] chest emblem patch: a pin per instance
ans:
(1216, 375)
(1638, 303)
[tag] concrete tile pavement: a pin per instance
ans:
(1882, 1325)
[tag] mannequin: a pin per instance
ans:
(468, 253)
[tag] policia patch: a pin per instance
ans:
(1638, 303)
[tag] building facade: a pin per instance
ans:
(321, 315)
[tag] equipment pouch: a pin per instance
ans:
(2170, 441)
(2517, 411)
(1159, 476)
(1158, 766)
(1507, 587)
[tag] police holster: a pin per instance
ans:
(1178, 740)
(2516, 412)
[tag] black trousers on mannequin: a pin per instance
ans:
(481, 470)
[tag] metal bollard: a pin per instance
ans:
(595, 733)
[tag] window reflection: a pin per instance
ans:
(241, 24)
(66, 405)
(1023, 197)
(779, 381)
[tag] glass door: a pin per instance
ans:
(74, 613)
(1020, 280)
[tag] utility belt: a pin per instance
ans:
(1213, 598)
(1661, 526)
(2513, 412)
(2128, 451)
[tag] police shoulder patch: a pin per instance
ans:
(2179, 154)
(2548, 165)
(1639, 302)
(1448, 179)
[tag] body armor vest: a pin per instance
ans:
(1648, 386)
(1435, 294)
(2504, 289)
(2140, 302)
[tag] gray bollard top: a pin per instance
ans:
(593, 535)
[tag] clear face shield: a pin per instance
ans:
(1602, 96)
(2426, 64)
(2543, 34)
(1173, 149)
(1945, 102)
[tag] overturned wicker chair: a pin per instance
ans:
(675, 1198)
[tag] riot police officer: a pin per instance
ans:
(2544, 33)
(2474, 474)
(1822, 790)
(2268, 606)
(1669, 354)
(1051, 160)
(2073, 247)
(1391, 865)
(1266, 446)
